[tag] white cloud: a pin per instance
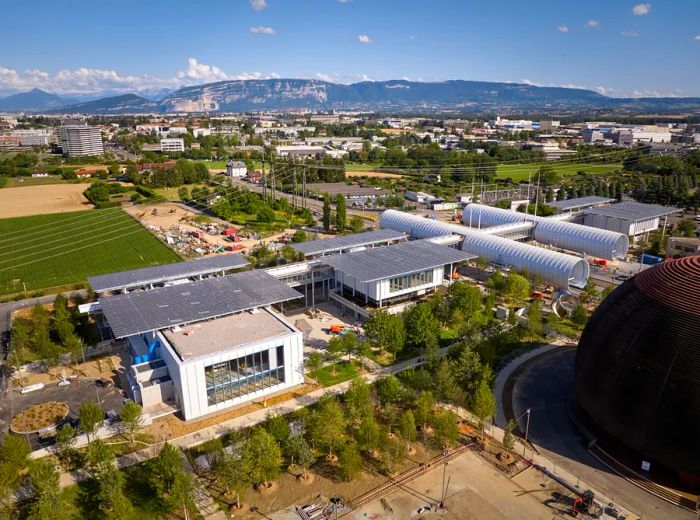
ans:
(324, 77)
(629, 34)
(201, 72)
(412, 37)
(592, 24)
(258, 5)
(528, 82)
(696, 37)
(363, 38)
(262, 30)
(641, 9)
(365, 77)
(563, 29)
(344, 1)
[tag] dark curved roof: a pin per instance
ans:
(638, 364)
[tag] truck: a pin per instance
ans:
(648, 259)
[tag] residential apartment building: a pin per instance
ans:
(78, 140)
(172, 144)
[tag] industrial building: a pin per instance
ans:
(206, 345)
(78, 140)
(630, 218)
(348, 243)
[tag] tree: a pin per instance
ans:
(422, 327)
(578, 315)
(508, 437)
(385, 332)
(340, 213)
(468, 370)
(131, 419)
(65, 440)
(369, 434)
(91, 415)
(166, 466)
(334, 350)
(46, 503)
(14, 450)
(358, 401)
(484, 404)
(326, 220)
(113, 503)
(232, 473)
(348, 343)
(534, 317)
(99, 458)
(350, 462)
(300, 453)
(445, 428)
(315, 361)
(278, 427)
(263, 456)
(446, 386)
(19, 341)
(10, 479)
(183, 193)
(356, 224)
(686, 228)
(390, 390)
(407, 429)
(183, 494)
(424, 407)
(464, 297)
(327, 424)
(517, 286)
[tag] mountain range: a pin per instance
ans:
(375, 96)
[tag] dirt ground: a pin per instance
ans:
(170, 216)
(40, 200)
(329, 315)
(379, 175)
(475, 490)
(105, 367)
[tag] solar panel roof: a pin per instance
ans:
(385, 262)
(163, 273)
(630, 210)
(327, 245)
(579, 202)
(144, 311)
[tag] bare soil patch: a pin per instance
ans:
(40, 200)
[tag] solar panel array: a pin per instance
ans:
(144, 311)
(327, 245)
(395, 260)
(579, 202)
(163, 273)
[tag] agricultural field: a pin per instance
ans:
(24, 201)
(14, 182)
(63, 249)
(521, 172)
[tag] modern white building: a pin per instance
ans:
(207, 345)
(201, 132)
(78, 140)
(629, 218)
(172, 144)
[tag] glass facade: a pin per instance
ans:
(410, 280)
(237, 377)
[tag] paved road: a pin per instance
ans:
(546, 385)
(6, 309)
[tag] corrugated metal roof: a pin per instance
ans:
(579, 202)
(139, 312)
(631, 210)
(385, 262)
(163, 273)
(329, 245)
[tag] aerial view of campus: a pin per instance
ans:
(358, 259)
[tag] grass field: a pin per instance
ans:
(344, 370)
(14, 182)
(44, 251)
(520, 172)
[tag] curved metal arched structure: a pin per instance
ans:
(566, 235)
(557, 268)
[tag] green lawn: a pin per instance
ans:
(63, 249)
(520, 172)
(15, 182)
(344, 370)
(360, 167)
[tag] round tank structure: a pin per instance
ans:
(551, 231)
(638, 366)
(556, 268)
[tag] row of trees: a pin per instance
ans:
(339, 220)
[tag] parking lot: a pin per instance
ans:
(78, 392)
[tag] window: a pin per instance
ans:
(241, 376)
(411, 280)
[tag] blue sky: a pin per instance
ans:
(617, 47)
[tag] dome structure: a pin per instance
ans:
(638, 366)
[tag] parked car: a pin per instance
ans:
(104, 383)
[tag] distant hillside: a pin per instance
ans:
(33, 101)
(125, 104)
(372, 96)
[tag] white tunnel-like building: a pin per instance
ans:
(559, 269)
(553, 231)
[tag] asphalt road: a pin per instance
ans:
(546, 385)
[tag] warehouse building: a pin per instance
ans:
(207, 345)
(630, 218)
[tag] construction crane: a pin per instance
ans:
(584, 501)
